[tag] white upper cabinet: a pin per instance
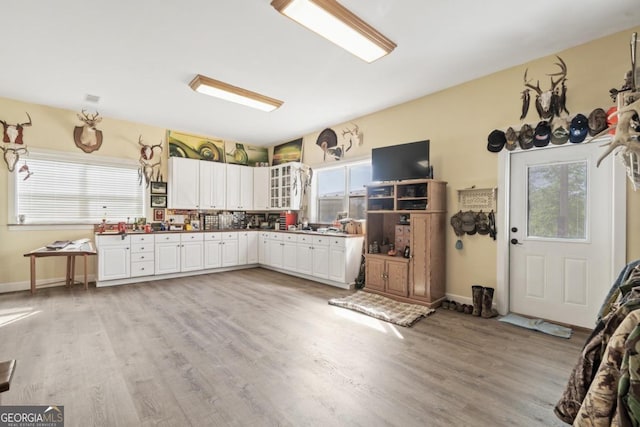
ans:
(184, 183)
(213, 185)
(261, 189)
(239, 187)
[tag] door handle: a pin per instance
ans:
(515, 242)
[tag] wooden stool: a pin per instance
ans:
(6, 373)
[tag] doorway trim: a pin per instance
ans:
(619, 223)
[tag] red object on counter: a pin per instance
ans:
(122, 227)
(147, 228)
(290, 219)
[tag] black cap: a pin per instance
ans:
(496, 141)
(542, 134)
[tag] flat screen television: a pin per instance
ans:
(400, 162)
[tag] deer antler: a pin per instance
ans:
(89, 119)
(25, 124)
(562, 73)
(140, 141)
(529, 85)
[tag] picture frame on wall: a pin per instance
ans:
(158, 187)
(158, 201)
(158, 215)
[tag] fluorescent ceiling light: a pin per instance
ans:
(337, 24)
(228, 92)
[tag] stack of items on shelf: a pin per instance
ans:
(604, 386)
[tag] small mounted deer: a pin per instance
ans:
(549, 103)
(149, 171)
(87, 137)
(13, 133)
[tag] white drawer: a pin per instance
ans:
(290, 238)
(142, 247)
(276, 236)
(321, 240)
(145, 268)
(191, 237)
(142, 238)
(233, 235)
(213, 236)
(338, 242)
(305, 238)
(142, 256)
(116, 239)
(167, 238)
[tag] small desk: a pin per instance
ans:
(70, 252)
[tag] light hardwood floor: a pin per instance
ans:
(259, 348)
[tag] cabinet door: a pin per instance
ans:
(233, 187)
(263, 248)
(321, 261)
(398, 278)
(114, 262)
(243, 247)
(252, 247)
(212, 185)
(192, 256)
(304, 264)
(261, 189)
(276, 253)
(167, 257)
(375, 274)
(246, 188)
(212, 254)
(229, 253)
(184, 179)
(274, 187)
(289, 255)
(337, 264)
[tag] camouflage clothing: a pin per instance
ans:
(599, 407)
(629, 384)
(589, 360)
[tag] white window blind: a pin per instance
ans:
(341, 189)
(66, 189)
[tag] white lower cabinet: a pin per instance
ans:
(114, 257)
(304, 263)
(252, 247)
(167, 253)
(212, 250)
(191, 251)
(142, 255)
(229, 249)
(275, 249)
(289, 250)
(337, 260)
(320, 255)
(263, 247)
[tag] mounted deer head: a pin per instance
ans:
(13, 133)
(87, 137)
(149, 171)
(549, 103)
(12, 155)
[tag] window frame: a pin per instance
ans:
(315, 198)
(51, 155)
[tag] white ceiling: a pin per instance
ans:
(138, 56)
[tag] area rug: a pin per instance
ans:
(538, 325)
(383, 308)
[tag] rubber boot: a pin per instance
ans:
(476, 292)
(487, 302)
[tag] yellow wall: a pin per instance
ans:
(456, 120)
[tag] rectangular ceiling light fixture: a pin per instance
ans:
(228, 92)
(339, 25)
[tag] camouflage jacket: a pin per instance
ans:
(629, 384)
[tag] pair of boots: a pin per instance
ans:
(483, 302)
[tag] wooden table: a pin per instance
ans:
(71, 251)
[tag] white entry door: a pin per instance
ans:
(561, 261)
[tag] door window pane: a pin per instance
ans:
(557, 200)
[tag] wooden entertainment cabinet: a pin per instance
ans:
(409, 214)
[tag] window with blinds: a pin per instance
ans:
(341, 189)
(69, 189)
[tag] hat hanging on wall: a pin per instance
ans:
(579, 128)
(525, 137)
(542, 134)
(512, 139)
(597, 121)
(496, 141)
(560, 135)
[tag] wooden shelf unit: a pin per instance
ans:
(407, 213)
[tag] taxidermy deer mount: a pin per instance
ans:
(148, 170)
(13, 135)
(549, 103)
(87, 137)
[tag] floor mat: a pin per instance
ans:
(538, 325)
(383, 308)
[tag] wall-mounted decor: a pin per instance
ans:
(158, 187)
(158, 201)
(12, 134)
(149, 168)
(158, 215)
(195, 147)
(328, 142)
(235, 153)
(549, 103)
(87, 137)
(288, 152)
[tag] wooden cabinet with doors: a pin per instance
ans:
(412, 215)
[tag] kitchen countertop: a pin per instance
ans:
(270, 230)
